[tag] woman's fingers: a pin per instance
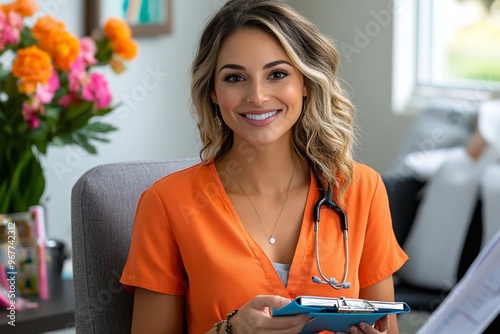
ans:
(256, 317)
(380, 326)
(263, 301)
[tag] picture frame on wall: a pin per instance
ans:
(145, 17)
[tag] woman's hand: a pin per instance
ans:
(381, 326)
(256, 317)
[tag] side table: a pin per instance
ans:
(58, 312)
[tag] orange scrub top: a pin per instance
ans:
(188, 240)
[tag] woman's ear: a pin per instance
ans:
(213, 96)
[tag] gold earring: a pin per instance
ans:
(218, 122)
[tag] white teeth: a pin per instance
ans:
(261, 117)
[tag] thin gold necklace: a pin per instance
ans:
(271, 239)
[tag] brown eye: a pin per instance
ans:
(233, 78)
(278, 75)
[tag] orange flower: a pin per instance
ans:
(125, 48)
(117, 29)
(25, 7)
(22, 7)
(7, 8)
(63, 48)
(31, 66)
(46, 24)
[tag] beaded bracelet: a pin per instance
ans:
(228, 325)
(217, 326)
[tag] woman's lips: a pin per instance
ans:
(260, 119)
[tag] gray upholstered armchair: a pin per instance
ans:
(103, 205)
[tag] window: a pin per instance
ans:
(446, 48)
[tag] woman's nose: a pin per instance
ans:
(257, 93)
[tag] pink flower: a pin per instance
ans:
(10, 28)
(54, 83)
(30, 112)
(97, 90)
(67, 100)
(45, 93)
(88, 50)
(78, 77)
(16, 21)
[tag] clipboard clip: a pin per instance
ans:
(355, 305)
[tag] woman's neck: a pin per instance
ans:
(263, 170)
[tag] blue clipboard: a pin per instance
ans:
(331, 319)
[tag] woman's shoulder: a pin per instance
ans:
(364, 173)
(365, 179)
(183, 178)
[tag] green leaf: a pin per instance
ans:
(62, 140)
(104, 50)
(58, 141)
(104, 111)
(41, 147)
(4, 203)
(96, 136)
(79, 109)
(39, 134)
(52, 113)
(100, 127)
(10, 86)
(81, 121)
(27, 39)
(83, 142)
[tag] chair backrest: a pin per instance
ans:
(103, 205)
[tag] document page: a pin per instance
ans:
(475, 301)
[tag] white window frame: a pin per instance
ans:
(408, 97)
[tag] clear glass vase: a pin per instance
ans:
(22, 181)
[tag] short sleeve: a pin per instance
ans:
(154, 261)
(382, 254)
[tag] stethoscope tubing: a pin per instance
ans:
(326, 199)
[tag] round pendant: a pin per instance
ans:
(272, 240)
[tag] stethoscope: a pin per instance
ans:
(326, 198)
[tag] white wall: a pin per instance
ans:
(364, 37)
(153, 124)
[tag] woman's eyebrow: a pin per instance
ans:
(232, 66)
(276, 63)
(242, 68)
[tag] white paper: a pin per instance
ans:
(475, 301)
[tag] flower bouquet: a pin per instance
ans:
(51, 93)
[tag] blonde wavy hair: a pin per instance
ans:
(324, 133)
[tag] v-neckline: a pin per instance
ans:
(305, 235)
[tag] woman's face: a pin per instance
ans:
(257, 88)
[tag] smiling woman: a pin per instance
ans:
(276, 130)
